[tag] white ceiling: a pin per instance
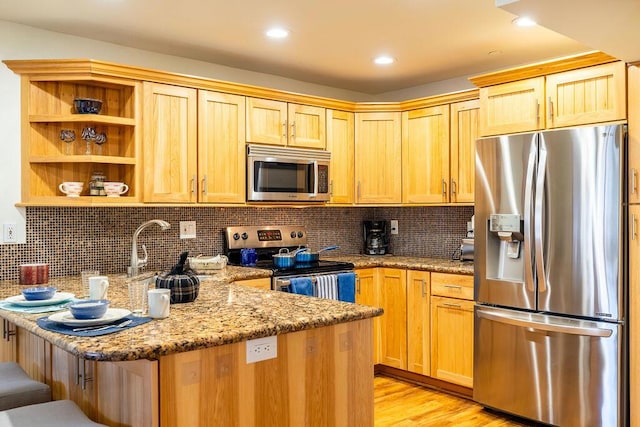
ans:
(332, 42)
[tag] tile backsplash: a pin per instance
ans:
(73, 239)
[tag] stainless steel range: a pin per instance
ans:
(267, 241)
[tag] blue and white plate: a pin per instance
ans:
(57, 298)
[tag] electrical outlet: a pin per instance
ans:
(394, 226)
(9, 233)
(262, 349)
(187, 229)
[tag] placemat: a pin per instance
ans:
(49, 325)
(39, 309)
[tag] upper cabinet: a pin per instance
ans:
(59, 145)
(464, 132)
(633, 142)
(340, 142)
(578, 95)
(425, 154)
(221, 147)
(170, 143)
(281, 123)
(378, 154)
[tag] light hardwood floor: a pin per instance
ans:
(403, 404)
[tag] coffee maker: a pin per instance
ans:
(376, 240)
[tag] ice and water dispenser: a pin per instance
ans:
(505, 241)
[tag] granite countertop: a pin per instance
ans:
(223, 313)
(440, 265)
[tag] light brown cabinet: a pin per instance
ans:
(263, 283)
(221, 148)
(194, 145)
(48, 92)
(8, 351)
(464, 132)
(633, 142)
(281, 123)
(418, 322)
(452, 328)
(392, 283)
(582, 96)
(171, 143)
(367, 294)
(378, 158)
(425, 155)
(340, 143)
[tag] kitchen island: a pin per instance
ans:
(190, 369)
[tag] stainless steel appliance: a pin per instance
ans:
(549, 337)
(376, 239)
(287, 174)
(267, 241)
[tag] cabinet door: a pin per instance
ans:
(512, 107)
(452, 340)
(464, 132)
(378, 158)
(74, 379)
(307, 126)
(425, 155)
(221, 147)
(418, 322)
(8, 343)
(266, 121)
(340, 142)
(393, 323)
(32, 353)
(170, 143)
(588, 95)
(264, 283)
(633, 143)
(634, 312)
(367, 294)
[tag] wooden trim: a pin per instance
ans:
(538, 69)
(112, 73)
(424, 380)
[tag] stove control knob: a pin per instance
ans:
(293, 234)
(300, 234)
(236, 236)
(245, 236)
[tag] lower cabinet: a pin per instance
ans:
(263, 283)
(418, 322)
(452, 328)
(8, 343)
(427, 325)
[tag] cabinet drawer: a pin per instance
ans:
(452, 285)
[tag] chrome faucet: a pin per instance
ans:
(136, 263)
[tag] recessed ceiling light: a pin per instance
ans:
(277, 33)
(383, 60)
(524, 21)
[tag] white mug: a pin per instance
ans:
(71, 189)
(159, 300)
(115, 189)
(98, 286)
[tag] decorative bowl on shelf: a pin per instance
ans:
(39, 293)
(87, 105)
(89, 308)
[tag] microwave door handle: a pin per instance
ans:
(315, 178)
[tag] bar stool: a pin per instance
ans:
(59, 413)
(18, 389)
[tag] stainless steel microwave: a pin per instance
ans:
(287, 174)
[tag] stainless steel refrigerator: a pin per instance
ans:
(549, 339)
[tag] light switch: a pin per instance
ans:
(187, 229)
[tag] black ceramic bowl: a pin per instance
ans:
(87, 105)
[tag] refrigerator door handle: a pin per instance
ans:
(537, 220)
(528, 214)
(547, 327)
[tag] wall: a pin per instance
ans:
(73, 239)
